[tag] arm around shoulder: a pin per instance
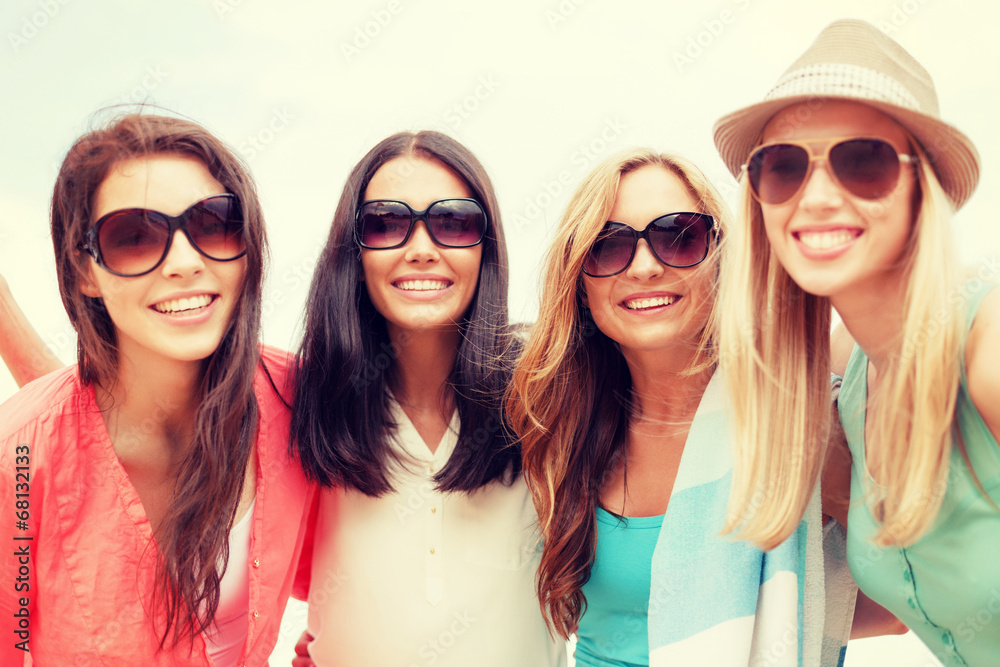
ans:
(841, 346)
(982, 358)
(836, 480)
(872, 620)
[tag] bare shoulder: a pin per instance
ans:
(982, 359)
(841, 346)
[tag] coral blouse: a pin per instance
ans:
(77, 574)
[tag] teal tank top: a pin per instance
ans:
(946, 586)
(613, 631)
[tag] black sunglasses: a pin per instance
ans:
(680, 240)
(134, 241)
(382, 224)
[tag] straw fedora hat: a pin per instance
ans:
(854, 60)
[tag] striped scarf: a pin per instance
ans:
(719, 602)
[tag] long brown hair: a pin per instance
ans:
(569, 397)
(193, 537)
(341, 418)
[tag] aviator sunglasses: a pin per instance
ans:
(680, 240)
(382, 224)
(134, 241)
(867, 168)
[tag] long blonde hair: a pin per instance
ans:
(775, 345)
(569, 397)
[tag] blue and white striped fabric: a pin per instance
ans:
(719, 602)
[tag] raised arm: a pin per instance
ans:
(21, 347)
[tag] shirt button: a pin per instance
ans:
(432, 551)
(906, 575)
(256, 562)
(946, 638)
(255, 614)
(913, 603)
(434, 510)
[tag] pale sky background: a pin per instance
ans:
(540, 91)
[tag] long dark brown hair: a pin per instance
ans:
(341, 416)
(193, 537)
(569, 400)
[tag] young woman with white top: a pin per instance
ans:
(426, 550)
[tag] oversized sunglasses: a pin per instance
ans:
(134, 241)
(867, 168)
(679, 240)
(382, 224)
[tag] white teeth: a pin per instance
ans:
(421, 285)
(180, 305)
(640, 304)
(828, 239)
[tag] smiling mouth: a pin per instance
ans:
(185, 305)
(422, 285)
(655, 302)
(827, 239)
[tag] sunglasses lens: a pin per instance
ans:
(215, 225)
(132, 242)
(680, 240)
(456, 222)
(611, 253)
(777, 171)
(867, 168)
(383, 224)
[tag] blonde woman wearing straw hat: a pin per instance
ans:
(849, 180)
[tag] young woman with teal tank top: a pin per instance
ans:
(620, 412)
(850, 181)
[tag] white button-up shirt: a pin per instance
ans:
(419, 577)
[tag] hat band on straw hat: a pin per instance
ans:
(843, 80)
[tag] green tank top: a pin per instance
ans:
(946, 586)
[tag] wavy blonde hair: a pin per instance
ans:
(558, 401)
(775, 342)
